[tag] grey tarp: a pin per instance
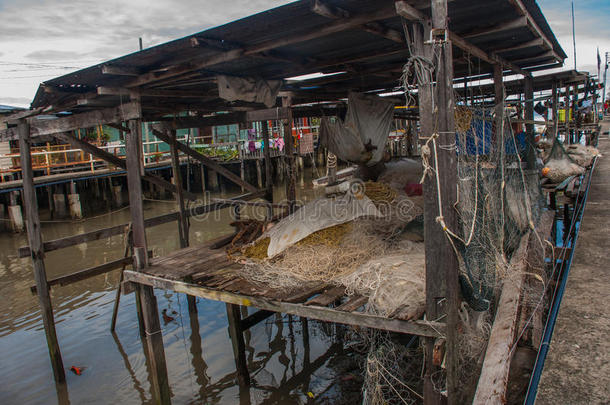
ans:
(368, 119)
(250, 89)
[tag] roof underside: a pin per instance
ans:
(293, 40)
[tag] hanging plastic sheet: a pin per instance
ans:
(362, 136)
(250, 89)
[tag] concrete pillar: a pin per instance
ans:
(213, 180)
(15, 218)
(14, 213)
(76, 211)
(59, 202)
(117, 195)
(75, 207)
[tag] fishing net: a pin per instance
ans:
(353, 254)
(559, 165)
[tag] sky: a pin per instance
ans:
(43, 39)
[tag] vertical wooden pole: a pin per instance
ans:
(259, 174)
(37, 252)
(499, 96)
(183, 222)
(242, 172)
(555, 106)
(291, 181)
(183, 225)
(239, 348)
(150, 314)
(447, 174)
(530, 143)
(435, 281)
(441, 260)
(267, 154)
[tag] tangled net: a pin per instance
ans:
(323, 256)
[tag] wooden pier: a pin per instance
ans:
(368, 43)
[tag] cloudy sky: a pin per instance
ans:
(42, 39)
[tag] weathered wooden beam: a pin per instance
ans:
(89, 272)
(278, 113)
(519, 22)
(236, 333)
(491, 388)
(529, 44)
(289, 156)
(149, 309)
(125, 112)
(499, 96)
(384, 31)
(255, 318)
(410, 13)
(77, 121)
(446, 172)
(329, 11)
(37, 252)
(533, 26)
(231, 55)
(124, 91)
(528, 90)
(420, 328)
(98, 234)
(207, 161)
(112, 159)
(268, 165)
(534, 58)
(121, 70)
(376, 28)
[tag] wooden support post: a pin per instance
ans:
(183, 225)
(242, 173)
(259, 174)
(555, 106)
(183, 221)
(499, 96)
(202, 166)
(149, 310)
(530, 143)
(37, 251)
(441, 261)
(291, 181)
(237, 340)
(267, 155)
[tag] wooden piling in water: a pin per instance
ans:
(37, 252)
(147, 299)
(237, 340)
(183, 222)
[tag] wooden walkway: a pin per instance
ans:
(207, 272)
(577, 369)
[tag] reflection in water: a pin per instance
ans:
(287, 357)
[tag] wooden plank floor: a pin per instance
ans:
(208, 273)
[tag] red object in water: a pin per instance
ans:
(413, 189)
(77, 370)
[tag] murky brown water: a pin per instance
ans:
(285, 360)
